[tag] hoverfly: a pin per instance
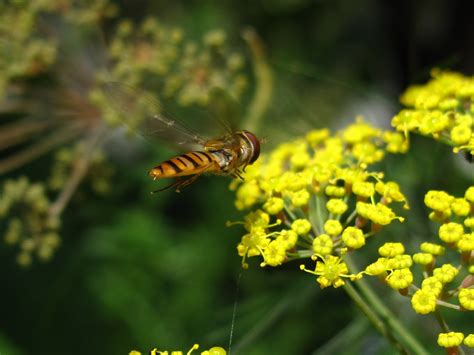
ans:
(228, 154)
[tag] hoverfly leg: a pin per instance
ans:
(186, 182)
(177, 182)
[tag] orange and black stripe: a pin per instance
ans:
(185, 164)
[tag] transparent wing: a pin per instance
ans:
(224, 109)
(142, 113)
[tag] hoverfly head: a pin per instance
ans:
(254, 142)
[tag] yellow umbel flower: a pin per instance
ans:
(322, 188)
(438, 200)
(323, 245)
(301, 226)
(274, 205)
(469, 222)
(466, 242)
(433, 285)
(423, 301)
(331, 271)
(450, 232)
(400, 279)
(377, 268)
(446, 273)
(469, 195)
(469, 341)
(333, 227)
(336, 206)
(431, 248)
(400, 262)
(460, 207)
(450, 340)
(423, 258)
(441, 109)
(466, 298)
(390, 250)
(274, 253)
(353, 237)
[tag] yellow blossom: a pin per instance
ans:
(431, 248)
(400, 279)
(460, 207)
(469, 222)
(423, 258)
(461, 134)
(433, 285)
(317, 136)
(446, 273)
(466, 242)
(390, 250)
(332, 227)
(331, 271)
(335, 191)
(469, 341)
(336, 206)
(274, 254)
(287, 238)
(273, 205)
(247, 195)
(301, 226)
(363, 188)
(299, 198)
(451, 232)
(450, 340)
(466, 298)
(322, 245)
(438, 200)
(377, 268)
(423, 301)
(469, 194)
(400, 262)
(353, 237)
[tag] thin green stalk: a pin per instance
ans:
(373, 317)
(392, 322)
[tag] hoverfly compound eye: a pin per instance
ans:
(255, 143)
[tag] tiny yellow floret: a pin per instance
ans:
(400, 279)
(423, 301)
(323, 245)
(389, 250)
(469, 341)
(423, 258)
(450, 232)
(450, 340)
(466, 298)
(431, 248)
(333, 227)
(301, 226)
(353, 237)
(446, 273)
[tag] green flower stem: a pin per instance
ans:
(373, 317)
(264, 79)
(393, 324)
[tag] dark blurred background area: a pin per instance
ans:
(139, 271)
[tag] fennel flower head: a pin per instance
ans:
(317, 198)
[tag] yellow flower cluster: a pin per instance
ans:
(443, 109)
(456, 216)
(455, 339)
(316, 197)
(216, 350)
(25, 206)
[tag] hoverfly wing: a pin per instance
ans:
(142, 113)
(224, 109)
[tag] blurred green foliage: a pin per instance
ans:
(136, 271)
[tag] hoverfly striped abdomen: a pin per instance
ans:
(186, 164)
